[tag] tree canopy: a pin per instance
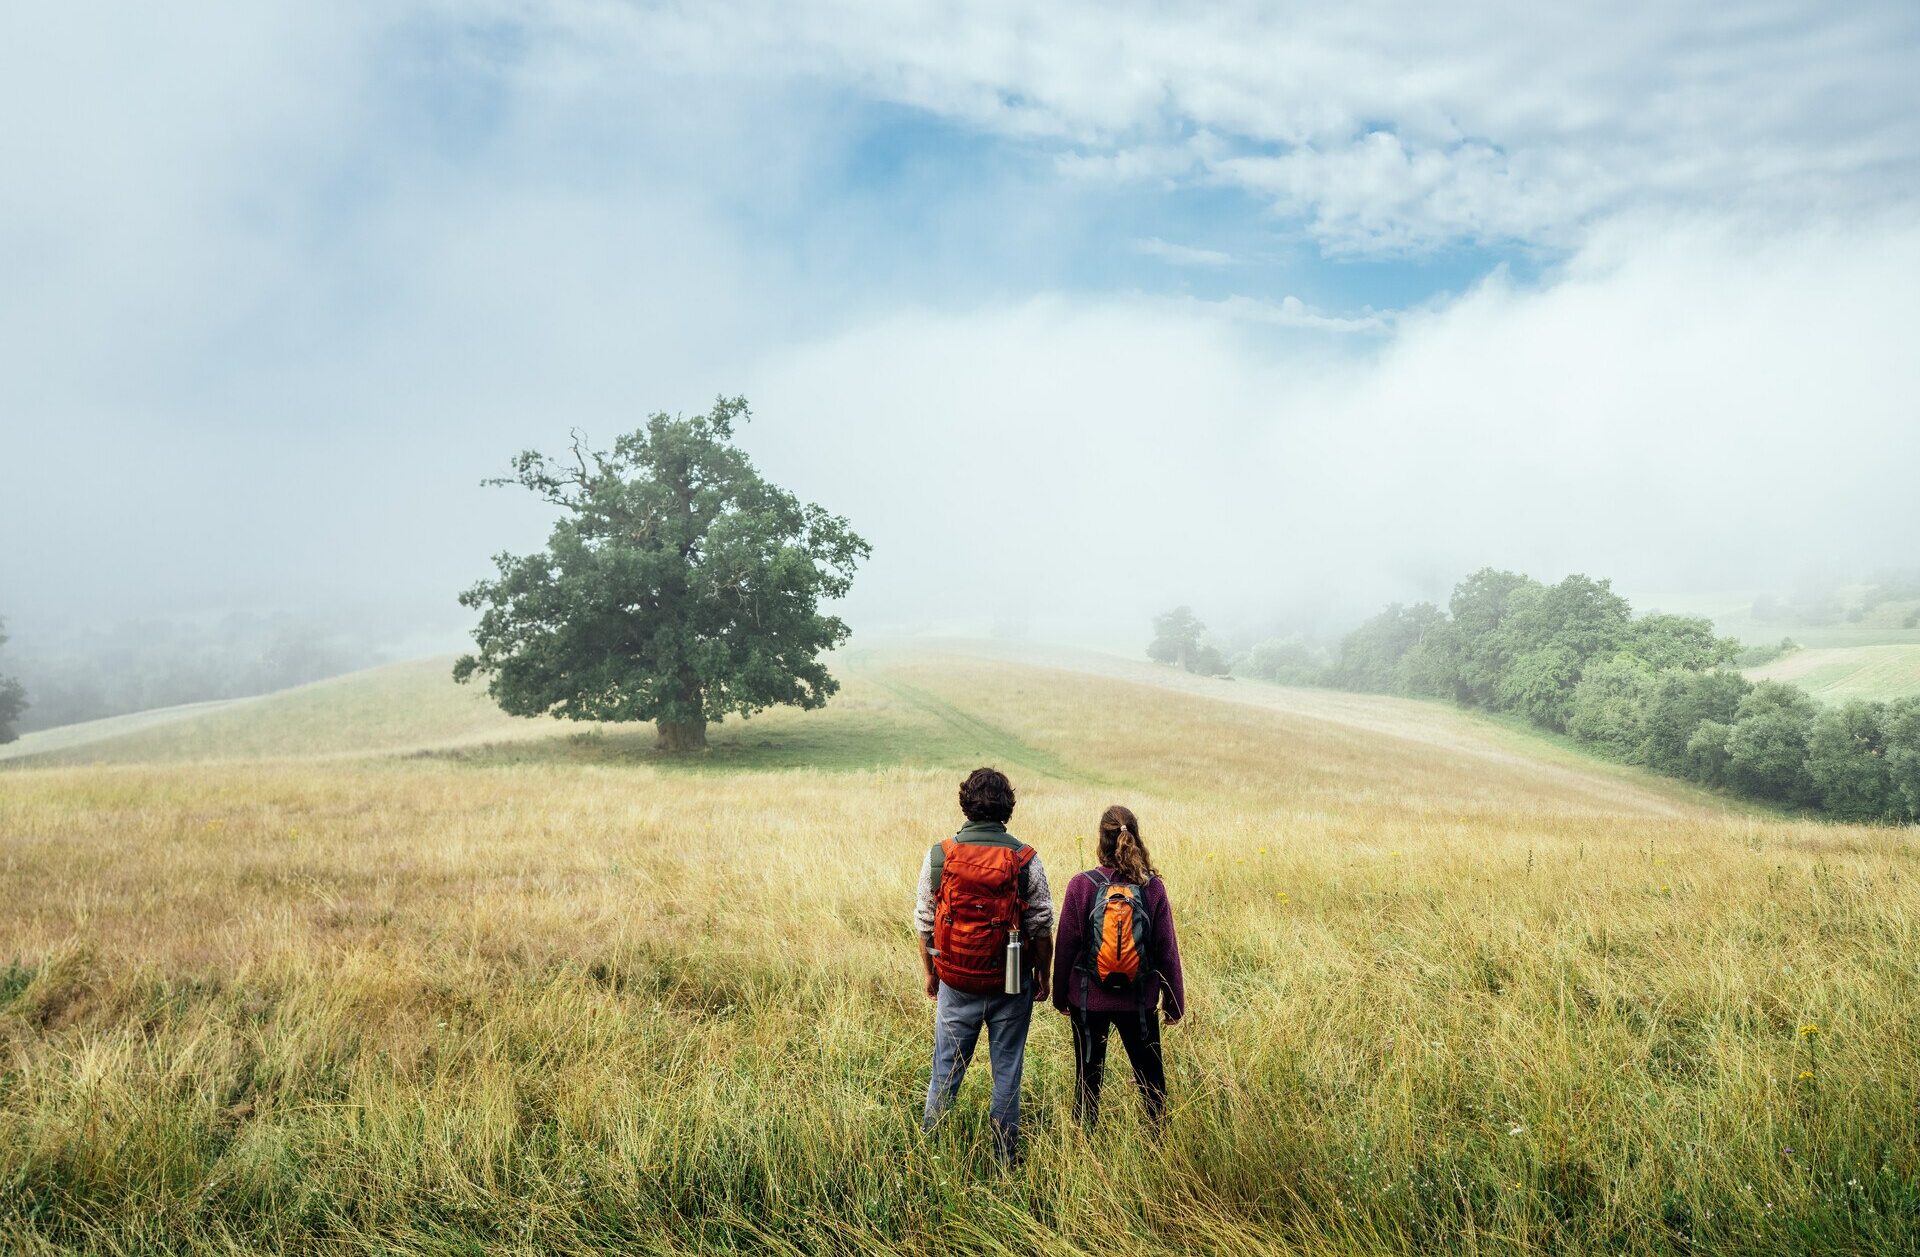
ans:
(1653, 690)
(679, 586)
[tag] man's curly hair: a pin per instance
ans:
(987, 795)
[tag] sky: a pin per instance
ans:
(1077, 310)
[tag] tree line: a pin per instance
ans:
(1656, 690)
(62, 677)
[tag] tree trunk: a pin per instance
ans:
(679, 737)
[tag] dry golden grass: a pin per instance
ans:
(1451, 990)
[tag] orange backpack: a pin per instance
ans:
(982, 894)
(1119, 930)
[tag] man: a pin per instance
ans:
(976, 889)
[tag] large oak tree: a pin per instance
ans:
(679, 586)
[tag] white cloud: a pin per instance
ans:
(1687, 405)
(264, 304)
(1181, 254)
(1391, 125)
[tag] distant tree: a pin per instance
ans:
(13, 699)
(1176, 636)
(1539, 684)
(1285, 660)
(1767, 746)
(1903, 757)
(678, 587)
(1610, 705)
(1549, 635)
(1480, 606)
(1678, 641)
(1371, 655)
(1678, 704)
(1207, 661)
(1580, 615)
(1847, 762)
(1706, 752)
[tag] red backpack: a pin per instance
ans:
(981, 895)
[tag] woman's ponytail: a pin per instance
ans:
(1121, 847)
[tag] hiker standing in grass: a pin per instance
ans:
(1117, 965)
(985, 919)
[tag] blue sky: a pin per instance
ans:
(1341, 302)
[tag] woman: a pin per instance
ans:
(1116, 963)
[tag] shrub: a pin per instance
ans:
(1847, 762)
(1706, 752)
(1679, 702)
(1903, 758)
(1286, 660)
(1610, 706)
(1767, 746)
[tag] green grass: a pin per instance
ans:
(1455, 989)
(1842, 674)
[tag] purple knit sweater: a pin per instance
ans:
(1170, 991)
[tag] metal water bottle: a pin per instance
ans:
(1016, 972)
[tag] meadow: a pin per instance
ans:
(369, 968)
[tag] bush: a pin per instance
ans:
(1706, 752)
(1370, 656)
(1539, 685)
(1767, 746)
(1847, 762)
(1754, 656)
(1903, 758)
(1285, 660)
(1678, 704)
(1610, 706)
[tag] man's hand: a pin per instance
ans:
(926, 966)
(1040, 947)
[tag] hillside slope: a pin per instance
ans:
(1056, 712)
(1838, 674)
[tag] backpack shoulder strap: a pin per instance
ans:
(1098, 878)
(937, 861)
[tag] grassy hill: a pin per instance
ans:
(1839, 674)
(367, 967)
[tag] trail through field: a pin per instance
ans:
(1477, 739)
(992, 740)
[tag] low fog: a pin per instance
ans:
(1075, 319)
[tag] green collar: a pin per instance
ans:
(982, 827)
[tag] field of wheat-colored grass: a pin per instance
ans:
(480, 987)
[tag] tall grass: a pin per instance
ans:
(1445, 998)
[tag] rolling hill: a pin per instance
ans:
(1838, 674)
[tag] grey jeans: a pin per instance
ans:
(957, 1019)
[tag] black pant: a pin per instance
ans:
(1140, 1035)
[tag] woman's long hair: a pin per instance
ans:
(1121, 848)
